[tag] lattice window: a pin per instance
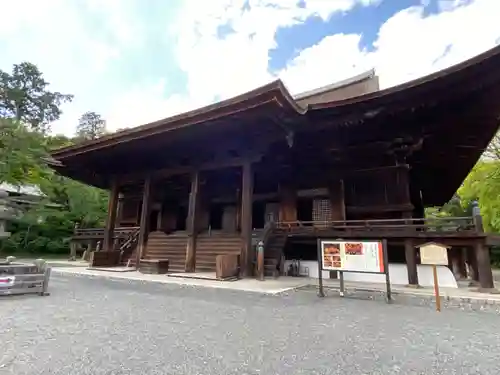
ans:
(322, 210)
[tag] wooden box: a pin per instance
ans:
(153, 266)
(104, 258)
(227, 266)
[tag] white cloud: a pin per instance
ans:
(219, 67)
(52, 34)
(120, 18)
(335, 58)
(222, 67)
(73, 53)
(143, 104)
(409, 44)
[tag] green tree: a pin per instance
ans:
(90, 126)
(492, 152)
(22, 154)
(24, 96)
(483, 185)
(26, 109)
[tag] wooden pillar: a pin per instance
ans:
(111, 218)
(462, 263)
(481, 253)
(411, 262)
(146, 203)
(337, 207)
(483, 265)
(472, 262)
(192, 223)
(119, 210)
(238, 210)
(454, 256)
(247, 256)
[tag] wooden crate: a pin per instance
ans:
(104, 258)
(153, 266)
(227, 266)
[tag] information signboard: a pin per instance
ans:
(434, 254)
(353, 256)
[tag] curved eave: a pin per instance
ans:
(353, 109)
(272, 92)
(409, 90)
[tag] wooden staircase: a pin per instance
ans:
(171, 247)
(128, 249)
(273, 253)
(208, 246)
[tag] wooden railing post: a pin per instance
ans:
(192, 222)
(72, 245)
(246, 259)
(111, 218)
(476, 217)
(141, 243)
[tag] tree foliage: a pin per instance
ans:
(492, 152)
(24, 96)
(21, 154)
(26, 108)
(90, 126)
(483, 185)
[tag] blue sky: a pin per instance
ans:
(136, 61)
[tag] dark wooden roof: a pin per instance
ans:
(455, 111)
(273, 93)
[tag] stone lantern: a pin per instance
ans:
(5, 214)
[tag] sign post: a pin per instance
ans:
(353, 256)
(434, 254)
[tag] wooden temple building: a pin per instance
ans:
(344, 161)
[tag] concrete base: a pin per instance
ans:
(488, 290)
(200, 276)
(113, 269)
(413, 286)
(398, 274)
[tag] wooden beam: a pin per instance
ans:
(192, 222)
(246, 258)
(111, 218)
(146, 201)
(173, 171)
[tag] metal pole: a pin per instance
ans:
(342, 286)
(321, 292)
(386, 270)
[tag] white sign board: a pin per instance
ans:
(434, 254)
(353, 256)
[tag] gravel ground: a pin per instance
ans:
(98, 326)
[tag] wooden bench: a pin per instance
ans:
(153, 266)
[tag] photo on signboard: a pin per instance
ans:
(331, 255)
(353, 248)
